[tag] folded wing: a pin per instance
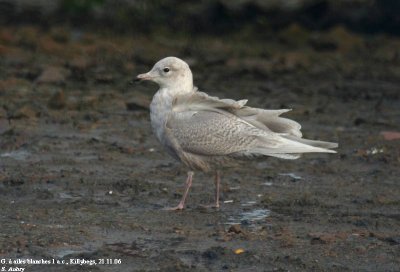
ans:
(203, 125)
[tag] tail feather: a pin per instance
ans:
(314, 143)
(286, 156)
(292, 148)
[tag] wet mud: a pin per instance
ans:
(82, 176)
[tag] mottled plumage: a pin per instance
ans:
(204, 132)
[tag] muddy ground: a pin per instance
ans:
(83, 177)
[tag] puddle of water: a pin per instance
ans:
(19, 155)
(66, 252)
(64, 195)
(249, 203)
(250, 217)
(74, 250)
(292, 175)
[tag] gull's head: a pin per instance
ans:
(171, 73)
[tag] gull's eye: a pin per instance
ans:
(166, 70)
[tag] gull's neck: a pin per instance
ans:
(183, 85)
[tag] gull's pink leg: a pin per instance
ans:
(217, 182)
(187, 187)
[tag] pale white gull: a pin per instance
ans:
(205, 132)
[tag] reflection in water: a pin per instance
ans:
(250, 217)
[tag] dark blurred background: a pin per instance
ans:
(211, 17)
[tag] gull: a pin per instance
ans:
(205, 132)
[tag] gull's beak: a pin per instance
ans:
(146, 76)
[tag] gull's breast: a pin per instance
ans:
(160, 107)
